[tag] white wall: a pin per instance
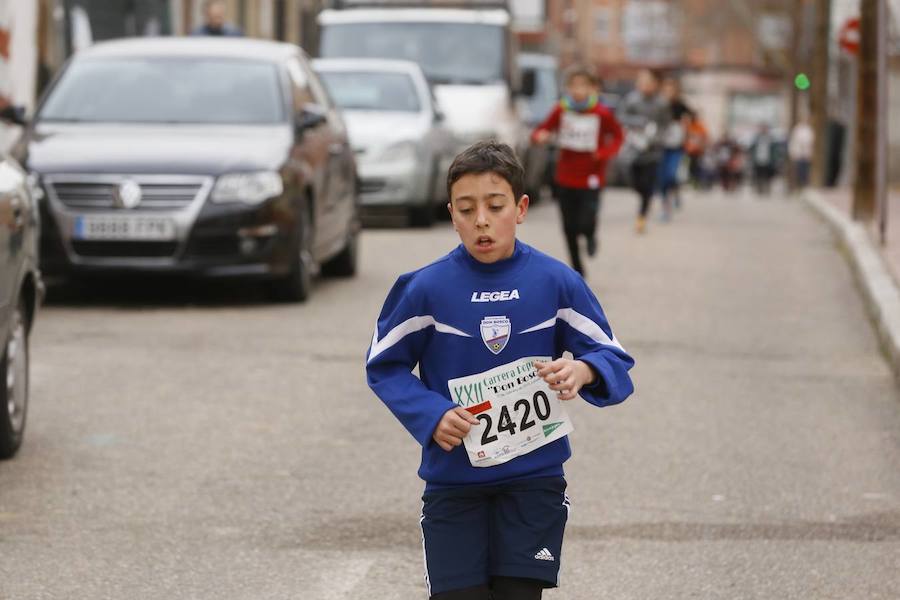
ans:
(18, 75)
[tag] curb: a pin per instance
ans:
(878, 287)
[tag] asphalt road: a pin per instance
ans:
(199, 442)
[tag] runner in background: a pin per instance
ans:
(696, 146)
(588, 137)
(674, 138)
(729, 160)
(645, 116)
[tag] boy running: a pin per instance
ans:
(487, 326)
(589, 136)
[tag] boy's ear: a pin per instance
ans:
(450, 210)
(522, 209)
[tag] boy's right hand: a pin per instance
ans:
(453, 427)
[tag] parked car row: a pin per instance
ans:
(240, 158)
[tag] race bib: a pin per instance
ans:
(517, 412)
(579, 132)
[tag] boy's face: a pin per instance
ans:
(485, 214)
(646, 83)
(579, 88)
(670, 89)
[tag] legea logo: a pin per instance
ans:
(495, 296)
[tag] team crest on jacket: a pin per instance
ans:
(495, 333)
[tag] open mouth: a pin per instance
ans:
(484, 242)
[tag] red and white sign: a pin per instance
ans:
(848, 36)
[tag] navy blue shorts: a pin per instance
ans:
(515, 529)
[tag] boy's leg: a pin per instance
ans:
(528, 519)
(570, 208)
(591, 216)
(516, 588)
(645, 184)
(455, 539)
(480, 592)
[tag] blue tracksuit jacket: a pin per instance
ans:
(432, 317)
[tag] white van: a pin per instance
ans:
(468, 55)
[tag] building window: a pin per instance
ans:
(603, 29)
(650, 31)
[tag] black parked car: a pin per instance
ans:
(20, 293)
(203, 156)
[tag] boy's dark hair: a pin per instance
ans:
(580, 70)
(488, 156)
(656, 74)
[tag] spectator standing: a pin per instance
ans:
(762, 153)
(214, 22)
(800, 151)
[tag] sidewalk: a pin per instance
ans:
(842, 199)
(877, 266)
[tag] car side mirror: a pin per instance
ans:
(439, 116)
(310, 117)
(529, 83)
(14, 114)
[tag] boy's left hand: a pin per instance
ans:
(566, 376)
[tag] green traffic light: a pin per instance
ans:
(801, 81)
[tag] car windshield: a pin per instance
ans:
(156, 90)
(455, 53)
(546, 93)
(370, 90)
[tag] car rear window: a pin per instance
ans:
(156, 90)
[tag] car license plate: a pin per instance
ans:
(124, 228)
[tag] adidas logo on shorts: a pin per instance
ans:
(544, 555)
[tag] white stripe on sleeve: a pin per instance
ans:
(579, 323)
(405, 328)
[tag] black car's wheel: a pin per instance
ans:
(14, 384)
(297, 284)
(344, 264)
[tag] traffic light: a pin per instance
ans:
(801, 82)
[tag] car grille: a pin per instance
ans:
(125, 249)
(371, 186)
(86, 194)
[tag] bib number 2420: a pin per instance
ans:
(517, 412)
(522, 408)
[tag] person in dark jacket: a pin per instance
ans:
(673, 146)
(214, 21)
(646, 117)
(762, 155)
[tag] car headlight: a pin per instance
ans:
(247, 188)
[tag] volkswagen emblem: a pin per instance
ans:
(127, 194)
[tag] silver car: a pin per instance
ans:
(397, 131)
